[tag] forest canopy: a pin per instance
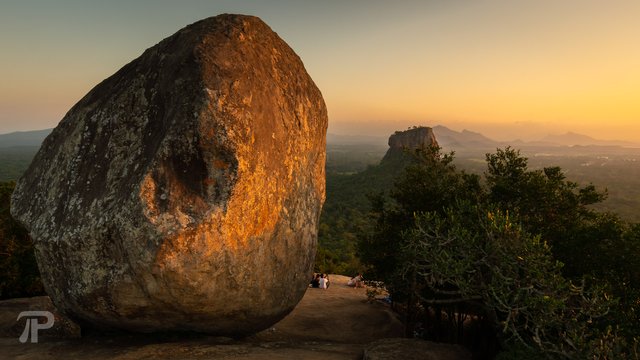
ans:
(521, 250)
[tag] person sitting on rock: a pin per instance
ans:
(326, 280)
(356, 281)
(316, 281)
(323, 282)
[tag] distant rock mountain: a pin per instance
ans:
(415, 138)
(448, 138)
(24, 138)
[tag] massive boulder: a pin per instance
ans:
(183, 192)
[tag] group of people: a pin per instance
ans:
(320, 281)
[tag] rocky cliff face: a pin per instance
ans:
(184, 191)
(412, 139)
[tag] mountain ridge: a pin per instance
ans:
(447, 138)
(24, 138)
(452, 139)
(571, 138)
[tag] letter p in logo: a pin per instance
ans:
(33, 326)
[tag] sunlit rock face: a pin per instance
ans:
(408, 140)
(183, 192)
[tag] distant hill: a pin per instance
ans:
(465, 139)
(24, 138)
(573, 139)
(448, 138)
(17, 149)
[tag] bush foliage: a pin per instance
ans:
(520, 251)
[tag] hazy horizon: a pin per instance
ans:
(509, 71)
(526, 131)
(500, 132)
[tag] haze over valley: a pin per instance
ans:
(613, 165)
(608, 164)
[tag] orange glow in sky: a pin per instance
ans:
(505, 68)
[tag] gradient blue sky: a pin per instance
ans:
(503, 67)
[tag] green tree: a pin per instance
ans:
(442, 243)
(608, 249)
(589, 243)
(545, 201)
(429, 183)
(509, 275)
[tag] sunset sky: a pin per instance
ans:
(509, 69)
